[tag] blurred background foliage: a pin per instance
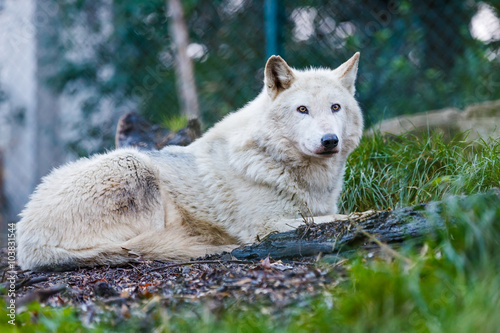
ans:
(415, 55)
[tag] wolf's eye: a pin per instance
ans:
(303, 109)
(335, 107)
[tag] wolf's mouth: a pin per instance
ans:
(329, 152)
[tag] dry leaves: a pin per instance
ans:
(276, 283)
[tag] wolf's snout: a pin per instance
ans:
(329, 141)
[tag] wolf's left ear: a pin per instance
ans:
(347, 72)
(278, 76)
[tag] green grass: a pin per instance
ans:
(450, 284)
(175, 123)
(396, 171)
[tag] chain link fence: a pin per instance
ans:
(69, 69)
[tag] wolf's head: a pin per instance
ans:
(314, 110)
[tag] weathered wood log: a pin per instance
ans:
(135, 131)
(355, 231)
(338, 236)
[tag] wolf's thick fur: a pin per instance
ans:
(249, 175)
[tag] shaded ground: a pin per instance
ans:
(218, 280)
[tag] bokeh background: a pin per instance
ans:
(70, 68)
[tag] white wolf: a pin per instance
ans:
(247, 176)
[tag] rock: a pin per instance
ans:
(482, 120)
(135, 131)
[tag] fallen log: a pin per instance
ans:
(352, 232)
(341, 235)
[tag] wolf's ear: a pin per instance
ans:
(278, 76)
(347, 72)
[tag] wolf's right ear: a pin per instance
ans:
(278, 76)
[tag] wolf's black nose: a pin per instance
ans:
(329, 141)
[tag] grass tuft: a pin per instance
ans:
(397, 171)
(175, 123)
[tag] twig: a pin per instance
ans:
(200, 262)
(41, 295)
(306, 218)
(300, 263)
(339, 263)
(308, 225)
(31, 281)
(26, 282)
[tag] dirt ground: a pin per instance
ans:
(216, 280)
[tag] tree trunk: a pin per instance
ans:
(186, 85)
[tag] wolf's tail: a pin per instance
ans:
(166, 245)
(171, 244)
